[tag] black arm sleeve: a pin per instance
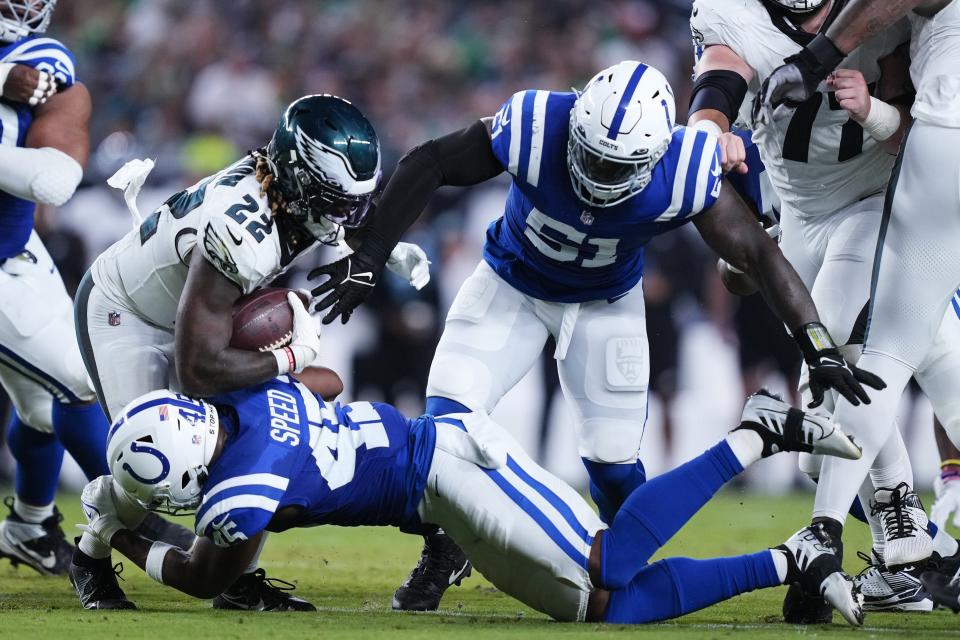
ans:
(720, 90)
(459, 159)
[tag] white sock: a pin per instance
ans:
(747, 445)
(892, 464)
(945, 544)
(876, 530)
(255, 560)
(93, 547)
(32, 513)
(781, 563)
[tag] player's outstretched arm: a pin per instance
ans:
(49, 168)
(206, 364)
(204, 571)
(731, 231)
(459, 159)
(863, 19)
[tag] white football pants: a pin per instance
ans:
(125, 355)
(39, 358)
(494, 334)
(525, 530)
(916, 273)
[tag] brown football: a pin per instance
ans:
(262, 320)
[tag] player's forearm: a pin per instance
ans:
(459, 159)
(781, 287)
(207, 372)
(178, 568)
(863, 19)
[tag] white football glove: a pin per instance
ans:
(103, 520)
(947, 502)
(304, 344)
(410, 262)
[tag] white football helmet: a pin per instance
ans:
(21, 18)
(159, 447)
(798, 6)
(620, 127)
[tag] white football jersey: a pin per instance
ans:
(227, 218)
(819, 160)
(935, 55)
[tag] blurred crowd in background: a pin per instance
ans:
(196, 83)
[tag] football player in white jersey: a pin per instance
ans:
(830, 163)
(155, 309)
(915, 271)
(44, 144)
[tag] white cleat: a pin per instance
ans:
(904, 525)
(885, 590)
(784, 428)
(813, 563)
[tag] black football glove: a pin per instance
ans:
(350, 281)
(794, 82)
(828, 369)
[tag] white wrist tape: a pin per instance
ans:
(285, 360)
(154, 564)
(709, 126)
(883, 120)
(47, 175)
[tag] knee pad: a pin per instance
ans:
(810, 465)
(462, 378)
(610, 440)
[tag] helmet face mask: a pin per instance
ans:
(798, 7)
(159, 448)
(620, 127)
(21, 18)
(326, 157)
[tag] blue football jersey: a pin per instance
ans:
(45, 54)
(754, 186)
(549, 244)
(358, 464)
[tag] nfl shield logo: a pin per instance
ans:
(586, 217)
(113, 318)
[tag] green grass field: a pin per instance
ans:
(350, 575)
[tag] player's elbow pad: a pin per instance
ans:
(46, 175)
(721, 90)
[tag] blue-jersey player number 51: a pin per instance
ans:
(564, 243)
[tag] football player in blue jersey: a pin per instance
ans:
(44, 144)
(595, 176)
(276, 456)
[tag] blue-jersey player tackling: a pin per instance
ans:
(44, 144)
(275, 456)
(595, 175)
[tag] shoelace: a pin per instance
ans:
(277, 584)
(870, 568)
(894, 517)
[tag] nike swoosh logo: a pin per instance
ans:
(366, 274)
(236, 240)
(48, 561)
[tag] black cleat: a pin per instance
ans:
(817, 581)
(442, 564)
(95, 582)
(42, 547)
(155, 527)
(256, 592)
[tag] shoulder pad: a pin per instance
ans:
(693, 159)
(239, 507)
(524, 125)
(45, 54)
(715, 22)
(239, 239)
